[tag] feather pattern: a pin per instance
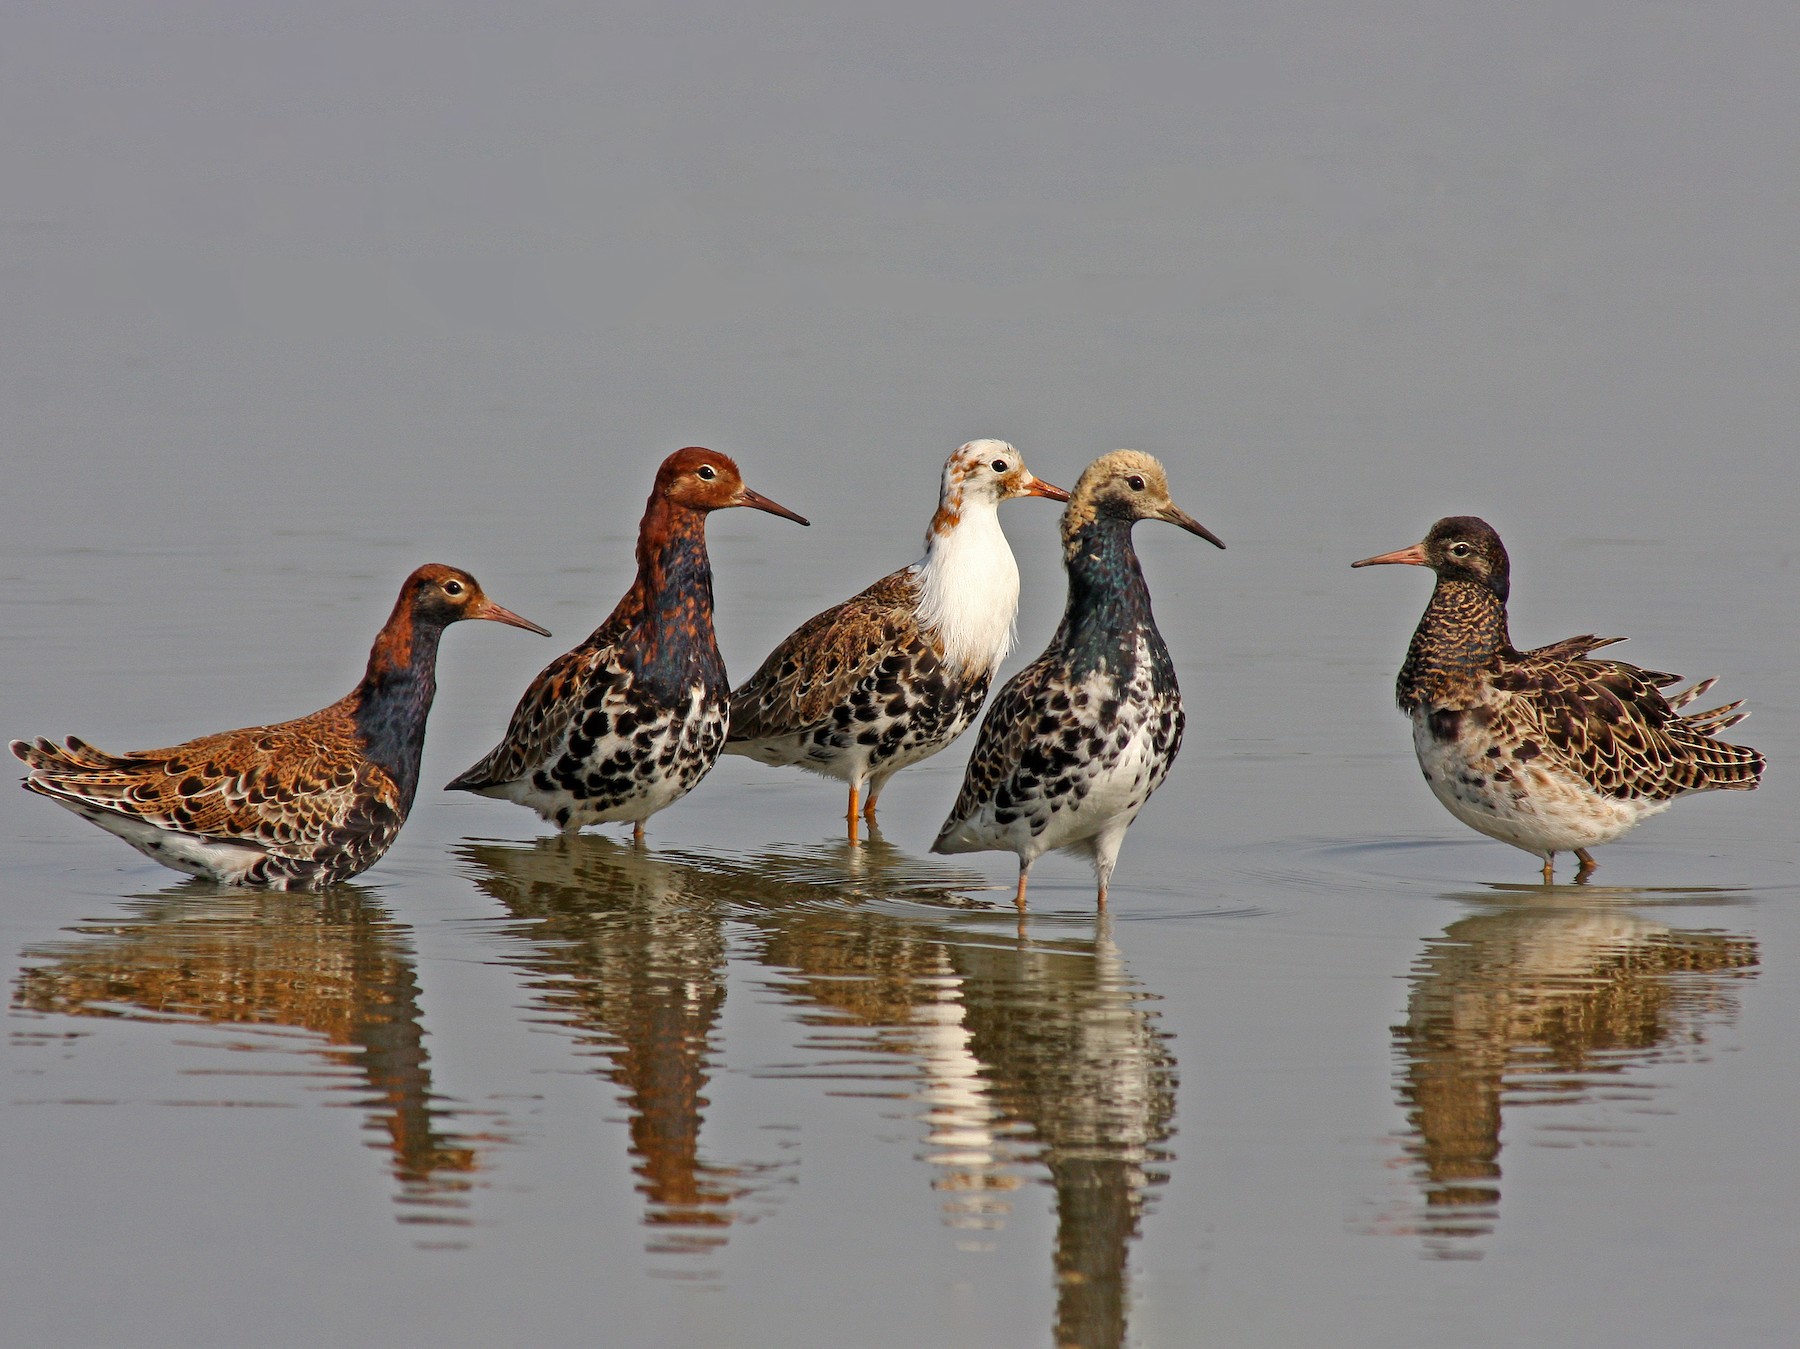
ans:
(298, 804)
(1553, 749)
(628, 722)
(895, 673)
(1076, 742)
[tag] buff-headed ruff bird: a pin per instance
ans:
(1076, 742)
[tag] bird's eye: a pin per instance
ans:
(453, 588)
(1135, 483)
(1460, 550)
(999, 466)
(705, 471)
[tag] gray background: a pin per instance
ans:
(295, 297)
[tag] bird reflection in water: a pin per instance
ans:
(335, 966)
(1545, 999)
(1021, 1060)
(627, 948)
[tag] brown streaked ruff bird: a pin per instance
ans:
(625, 724)
(298, 805)
(1076, 742)
(894, 674)
(1549, 750)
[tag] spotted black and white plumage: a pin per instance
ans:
(1076, 742)
(628, 722)
(298, 805)
(1552, 750)
(894, 674)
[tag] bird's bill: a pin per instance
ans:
(1176, 516)
(486, 608)
(762, 503)
(1411, 557)
(1037, 487)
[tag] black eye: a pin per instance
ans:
(1460, 549)
(999, 465)
(706, 471)
(1135, 483)
(453, 587)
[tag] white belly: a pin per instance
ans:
(1539, 809)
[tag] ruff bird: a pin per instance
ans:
(895, 673)
(1551, 750)
(297, 805)
(1076, 742)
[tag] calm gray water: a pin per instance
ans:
(297, 298)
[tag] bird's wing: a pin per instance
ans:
(1015, 716)
(818, 665)
(568, 687)
(288, 789)
(1609, 724)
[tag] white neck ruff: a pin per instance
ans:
(969, 588)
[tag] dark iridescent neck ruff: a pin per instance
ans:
(1109, 604)
(1462, 631)
(391, 705)
(673, 643)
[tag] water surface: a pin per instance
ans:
(296, 302)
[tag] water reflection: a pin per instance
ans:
(1546, 999)
(335, 966)
(628, 949)
(1021, 1059)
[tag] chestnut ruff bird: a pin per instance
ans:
(1076, 741)
(625, 724)
(892, 675)
(298, 805)
(1549, 750)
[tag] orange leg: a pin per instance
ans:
(1549, 867)
(1588, 865)
(637, 832)
(1019, 898)
(852, 815)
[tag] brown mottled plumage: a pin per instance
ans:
(626, 723)
(1551, 750)
(897, 672)
(299, 804)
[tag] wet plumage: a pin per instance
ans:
(897, 672)
(1551, 750)
(297, 805)
(1076, 742)
(629, 721)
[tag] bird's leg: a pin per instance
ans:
(1549, 864)
(1586, 869)
(1024, 874)
(868, 810)
(1100, 902)
(637, 833)
(851, 815)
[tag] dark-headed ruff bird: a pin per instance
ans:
(625, 724)
(1074, 744)
(298, 805)
(1549, 750)
(892, 675)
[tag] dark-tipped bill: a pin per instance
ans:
(1176, 516)
(486, 608)
(1412, 557)
(762, 503)
(1037, 487)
